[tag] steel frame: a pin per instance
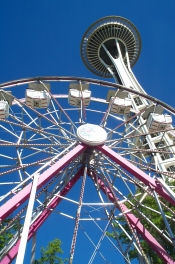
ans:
(20, 197)
(136, 172)
(42, 218)
(24, 194)
(134, 221)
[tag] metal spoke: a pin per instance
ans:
(33, 140)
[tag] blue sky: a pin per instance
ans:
(42, 38)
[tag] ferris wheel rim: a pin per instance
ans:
(77, 79)
(86, 80)
(110, 85)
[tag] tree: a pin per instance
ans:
(49, 255)
(9, 231)
(156, 218)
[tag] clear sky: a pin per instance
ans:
(42, 38)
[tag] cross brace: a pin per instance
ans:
(136, 172)
(19, 198)
(42, 218)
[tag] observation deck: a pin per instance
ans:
(105, 31)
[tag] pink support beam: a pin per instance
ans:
(19, 198)
(42, 218)
(136, 172)
(135, 222)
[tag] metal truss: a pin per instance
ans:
(40, 147)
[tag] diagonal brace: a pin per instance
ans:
(42, 218)
(136, 172)
(135, 222)
(19, 198)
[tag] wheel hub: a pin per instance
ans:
(91, 135)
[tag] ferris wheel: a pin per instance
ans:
(99, 150)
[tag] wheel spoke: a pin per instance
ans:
(134, 166)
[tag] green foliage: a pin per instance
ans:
(8, 233)
(49, 255)
(156, 218)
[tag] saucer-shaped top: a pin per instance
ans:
(105, 31)
(91, 135)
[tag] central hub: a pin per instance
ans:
(91, 135)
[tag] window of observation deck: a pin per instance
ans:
(138, 101)
(171, 168)
(162, 146)
(154, 135)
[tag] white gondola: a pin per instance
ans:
(120, 106)
(158, 122)
(75, 97)
(37, 99)
(4, 109)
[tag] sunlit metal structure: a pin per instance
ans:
(100, 150)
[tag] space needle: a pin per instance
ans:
(110, 47)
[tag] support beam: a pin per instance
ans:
(25, 231)
(135, 222)
(42, 218)
(19, 198)
(32, 260)
(136, 172)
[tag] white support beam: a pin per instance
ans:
(32, 260)
(24, 236)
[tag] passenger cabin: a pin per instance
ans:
(120, 106)
(75, 96)
(6, 99)
(158, 122)
(4, 109)
(37, 99)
